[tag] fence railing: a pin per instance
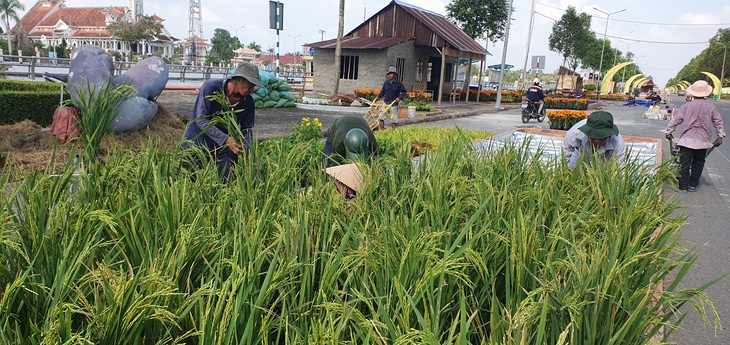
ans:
(32, 68)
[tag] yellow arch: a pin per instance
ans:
(641, 81)
(627, 86)
(685, 84)
(715, 80)
(609, 76)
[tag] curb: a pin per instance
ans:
(446, 114)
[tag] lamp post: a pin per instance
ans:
(322, 32)
(240, 27)
(628, 50)
(600, 64)
(722, 73)
(619, 39)
(295, 42)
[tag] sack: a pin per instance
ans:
(65, 125)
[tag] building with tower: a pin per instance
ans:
(52, 23)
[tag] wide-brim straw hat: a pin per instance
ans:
(348, 174)
(700, 89)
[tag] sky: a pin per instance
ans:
(663, 35)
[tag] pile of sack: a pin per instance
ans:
(273, 94)
(656, 113)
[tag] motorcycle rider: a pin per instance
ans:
(535, 94)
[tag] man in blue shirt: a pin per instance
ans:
(535, 95)
(595, 135)
(201, 131)
(392, 90)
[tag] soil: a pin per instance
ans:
(28, 146)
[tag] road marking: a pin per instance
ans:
(719, 182)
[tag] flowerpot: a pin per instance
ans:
(411, 112)
(402, 111)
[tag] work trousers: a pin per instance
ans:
(691, 163)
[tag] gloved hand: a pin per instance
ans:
(717, 142)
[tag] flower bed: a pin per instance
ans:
(566, 103)
(564, 118)
(508, 96)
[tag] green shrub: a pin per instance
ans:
(37, 106)
(19, 85)
(28, 100)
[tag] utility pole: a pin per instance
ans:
(504, 56)
(600, 64)
(529, 40)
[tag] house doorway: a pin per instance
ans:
(433, 74)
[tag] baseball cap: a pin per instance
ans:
(248, 71)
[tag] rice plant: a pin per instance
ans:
(99, 106)
(463, 248)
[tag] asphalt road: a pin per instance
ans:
(707, 210)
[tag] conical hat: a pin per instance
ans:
(348, 174)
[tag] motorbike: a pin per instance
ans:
(529, 111)
(688, 97)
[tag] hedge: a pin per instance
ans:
(37, 106)
(28, 100)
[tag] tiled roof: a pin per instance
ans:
(90, 33)
(284, 59)
(246, 51)
(37, 13)
(350, 42)
(81, 16)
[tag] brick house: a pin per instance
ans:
(424, 46)
(53, 24)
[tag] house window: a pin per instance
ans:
(428, 73)
(400, 65)
(349, 66)
(419, 71)
(448, 71)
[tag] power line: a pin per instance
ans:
(644, 22)
(634, 39)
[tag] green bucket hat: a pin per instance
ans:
(599, 125)
(356, 144)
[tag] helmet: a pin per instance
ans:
(356, 144)
(536, 81)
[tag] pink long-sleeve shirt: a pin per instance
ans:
(697, 119)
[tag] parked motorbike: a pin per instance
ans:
(529, 111)
(688, 97)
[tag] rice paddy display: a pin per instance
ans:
(466, 249)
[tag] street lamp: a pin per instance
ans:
(295, 42)
(628, 50)
(619, 39)
(240, 27)
(722, 73)
(600, 64)
(322, 32)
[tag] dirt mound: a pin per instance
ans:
(28, 146)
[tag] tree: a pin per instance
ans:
(9, 10)
(270, 51)
(132, 32)
(338, 47)
(223, 45)
(479, 19)
(255, 46)
(571, 35)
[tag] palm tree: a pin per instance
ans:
(9, 10)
